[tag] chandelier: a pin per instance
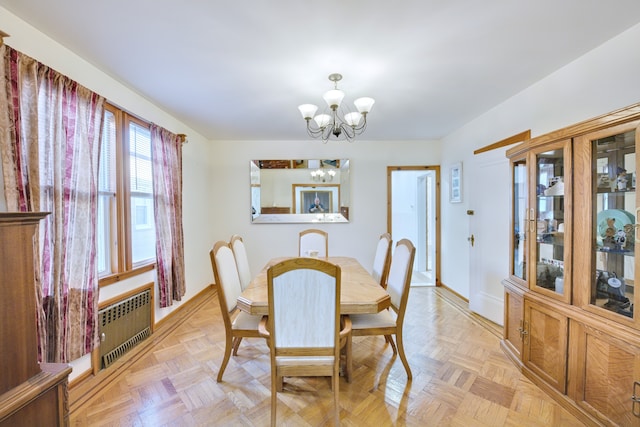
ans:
(337, 121)
(320, 175)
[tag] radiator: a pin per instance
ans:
(123, 325)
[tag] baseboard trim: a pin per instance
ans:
(462, 304)
(178, 310)
(442, 285)
(80, 378)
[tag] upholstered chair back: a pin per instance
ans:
(304, 306)
(242, 261)
(228, 279)
(382, 260)
(400, 272)
(313, 240)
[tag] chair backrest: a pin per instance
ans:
(242, 261)
(399, 279)
(304, 307)
(382, 260)
(313, 240)
(226, 276)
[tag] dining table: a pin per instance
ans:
(360, 293)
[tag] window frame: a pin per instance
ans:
(120, 258)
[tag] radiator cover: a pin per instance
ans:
(123, 325)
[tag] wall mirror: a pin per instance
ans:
(300, 190)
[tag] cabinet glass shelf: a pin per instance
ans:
(614, 204)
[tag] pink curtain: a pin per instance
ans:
(49, 145)
(167, 190)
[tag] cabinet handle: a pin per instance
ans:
(635, 399)
(523, 332)
(532, 221)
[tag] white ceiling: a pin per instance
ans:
(238, 70)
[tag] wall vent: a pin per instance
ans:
(123, 325)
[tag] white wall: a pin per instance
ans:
(196, 158)
(368, 214)
(603, 80)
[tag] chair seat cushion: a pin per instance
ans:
(304, 360)
(246, 322)
(384, 319)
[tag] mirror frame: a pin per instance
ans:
(282, 191)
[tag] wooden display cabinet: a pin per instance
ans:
(31, 394)
(570, 318)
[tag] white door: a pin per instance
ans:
(489, 233)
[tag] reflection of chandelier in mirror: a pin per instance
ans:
(320, 175)
(346, 125)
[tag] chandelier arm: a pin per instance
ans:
(357, 130)
(349, 132)
(314, 133)
(326, 134)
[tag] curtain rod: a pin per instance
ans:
(183, 137)
(2, 36)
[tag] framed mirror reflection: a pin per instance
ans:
(300, 191)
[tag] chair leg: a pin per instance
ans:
(336, 399)
(236, 344)
(348, 358)
(389, 339)
(274, 397)
(227, 353)
(402, 355)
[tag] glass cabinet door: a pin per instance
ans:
(549, 217)
(520, 217)
(614, 222)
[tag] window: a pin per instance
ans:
(126, 228)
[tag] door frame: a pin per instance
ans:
(436, 169)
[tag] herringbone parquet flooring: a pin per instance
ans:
(460, 378)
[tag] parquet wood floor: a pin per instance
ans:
(460, 378)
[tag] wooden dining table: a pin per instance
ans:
(359, 292)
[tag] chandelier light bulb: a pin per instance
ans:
(333, 98)
(364, 104)
(308, 111)
(322, 120)
(352, 119)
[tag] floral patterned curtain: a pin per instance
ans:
(167, 190)
(49, 145)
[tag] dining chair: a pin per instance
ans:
(304, 326)
(237, 324)
(389, 322)
(242, 261)
(382, 260)
(313, 240)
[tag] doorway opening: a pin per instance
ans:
(413, 212)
